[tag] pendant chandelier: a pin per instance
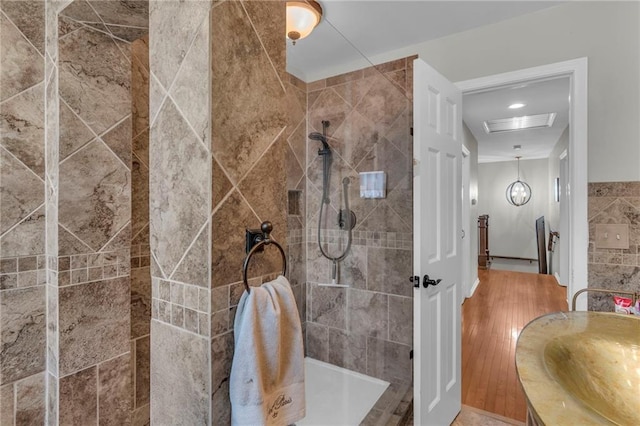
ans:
(518, 193)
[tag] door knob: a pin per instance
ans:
(426, 282)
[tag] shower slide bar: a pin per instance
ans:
(257, 239)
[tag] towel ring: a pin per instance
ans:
(261, 241)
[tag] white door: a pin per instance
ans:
(437, 123)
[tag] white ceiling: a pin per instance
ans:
(353, 34)
(539, 97)
(353, 30)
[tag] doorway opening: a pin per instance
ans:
(508, 300)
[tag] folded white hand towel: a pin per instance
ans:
(267, 374)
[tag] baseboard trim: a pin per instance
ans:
(474, 286)
(555, 274)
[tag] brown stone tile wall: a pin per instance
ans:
(250, 132)
(366, 327)
(140, 251)
(89, 154)
(615, 269)
(22, 214)
(180, 173)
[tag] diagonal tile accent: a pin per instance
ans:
(339, 170)
(127, 13)
(22, 127)
(26, 238)
(399, 133)
(194, 267)
(295, 110)
(80, 10)
(293, 170)
(329, 106)
(28, 16)
(180, 194)
(353, 91)
(173, 26)
(383, 103)
(157, 95)
(69, 244)
(22, 191)
(221, 184)
(383, 218)
(118, 139)
(128, 34)
(354, 138)
(73, 132)
(94, 194)
(298, 142)
(400, 200)
(245, 121)
(385, 156)
(94, 78)
(193, 99)
(122, 240)
(266, 18)
(22, 65)
(265, 189)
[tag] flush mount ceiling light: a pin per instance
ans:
(302, 18)
(537, 121)
(518, 193)
(517, 106)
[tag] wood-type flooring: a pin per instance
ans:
(492, 319)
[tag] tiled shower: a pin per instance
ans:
(139, 140)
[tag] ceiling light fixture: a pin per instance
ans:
(517, 106)
(537, 121)
(517, 147)
(518, 193)
(302, 18)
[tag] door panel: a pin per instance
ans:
(437, 260)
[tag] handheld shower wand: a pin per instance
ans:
(345, 221)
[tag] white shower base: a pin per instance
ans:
(337, 396)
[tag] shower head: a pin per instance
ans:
(315, 136)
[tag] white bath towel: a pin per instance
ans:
(267, 374)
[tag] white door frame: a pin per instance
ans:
(466, 225)
(576, 70)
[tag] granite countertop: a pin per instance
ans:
(581, 368)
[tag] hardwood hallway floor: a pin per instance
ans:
(492, 319)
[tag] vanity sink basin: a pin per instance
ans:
(581, 368)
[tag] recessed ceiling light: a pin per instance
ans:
(520, 123)
(517, 147)
(516, 106)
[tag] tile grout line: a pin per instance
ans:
(12, 97)
(5, 233)
(264, 49)
(186, 252)
(23, 35)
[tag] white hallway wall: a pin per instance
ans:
(512, 230)
(607, 32)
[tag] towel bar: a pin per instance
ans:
(261, 241)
